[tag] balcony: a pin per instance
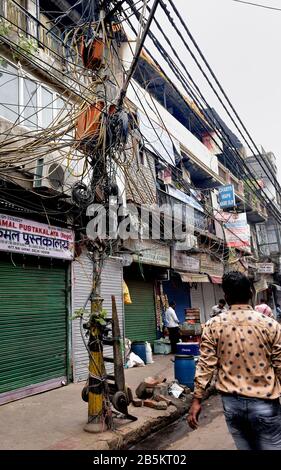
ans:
(200, 222)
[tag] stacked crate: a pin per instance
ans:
(191, 329)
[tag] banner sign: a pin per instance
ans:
(33, 238)
(226, 196)
(236, 229)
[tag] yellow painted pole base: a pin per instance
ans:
(95, 427)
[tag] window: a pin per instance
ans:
(39, 173)
(47, 107)
(142, 156)
(9, 91)
(30, 111)
(26, 102)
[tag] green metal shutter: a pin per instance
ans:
(33, 316)
(140, 317)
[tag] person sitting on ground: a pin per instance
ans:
(220, 308)
(244, 346)
(264, 308)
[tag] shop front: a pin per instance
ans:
(82, 283)
(207, 291)
(177, 288)
(34, 307)
(150, 263)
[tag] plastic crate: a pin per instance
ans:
(160, 347)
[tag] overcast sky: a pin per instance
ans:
(242, 44)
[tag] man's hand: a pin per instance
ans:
(194, 413)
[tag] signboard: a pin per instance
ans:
(235, 229)
(149, 252)
(24, 236)
(267, 268)
(226, 196)
(210, 266)
(182, 262)
(181, 196)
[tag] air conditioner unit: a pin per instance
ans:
(52, 175)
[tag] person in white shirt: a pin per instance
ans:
(172, 323)
(220, 308)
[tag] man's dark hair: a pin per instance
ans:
(263, 301)
(278, 305)
(222, 302)
(237, 288)
(172, 303)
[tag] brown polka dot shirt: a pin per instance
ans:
(245, 347)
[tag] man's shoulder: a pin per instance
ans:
(214, 320)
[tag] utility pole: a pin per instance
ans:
(97, 402)
(96, 387)
(99, 413)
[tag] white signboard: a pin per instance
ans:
(267, 268)
(33, 238)
(149, 252)
(183, 262)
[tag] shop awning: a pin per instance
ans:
(216, 279)
(191, 277)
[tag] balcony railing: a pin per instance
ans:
(38, 33)
(181, 211)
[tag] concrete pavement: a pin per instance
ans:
(55, 419)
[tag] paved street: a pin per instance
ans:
(212, 433)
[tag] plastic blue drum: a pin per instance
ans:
(185, 370)
(138, 347)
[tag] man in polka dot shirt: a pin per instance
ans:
(244, 346)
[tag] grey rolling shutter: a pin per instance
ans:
(196, 297)
(82, 276)
(111, 284)
(209, 299)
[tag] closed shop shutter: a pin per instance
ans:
(196, 296)
(209, 299)
(219, 294)
(82, 276)
(33, 328)
(140, 317)
(111, 284)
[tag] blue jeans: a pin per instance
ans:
(255, 424)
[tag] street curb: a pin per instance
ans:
(125, 438)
